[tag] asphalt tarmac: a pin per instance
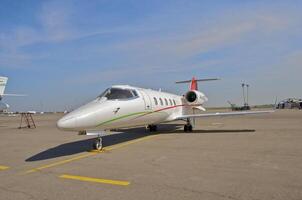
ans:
(243, 157)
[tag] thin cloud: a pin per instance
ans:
(207, 38)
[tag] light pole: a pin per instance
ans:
(243, 93)
(247, 94)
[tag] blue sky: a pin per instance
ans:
(63, 53)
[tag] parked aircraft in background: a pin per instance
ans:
(4, 106)
(124, 106)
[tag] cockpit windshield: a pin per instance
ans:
(118, 93)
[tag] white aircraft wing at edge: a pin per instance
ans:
(15, 95)
(223, 114)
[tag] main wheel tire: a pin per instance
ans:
(190, 128)
(152, 128)
(186, 128)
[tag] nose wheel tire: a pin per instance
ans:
(98, 144)
(188, 128)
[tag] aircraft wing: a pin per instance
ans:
(223, 114)
(14, 95)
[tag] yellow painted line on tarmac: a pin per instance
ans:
(60, 162)
(117, 146)
(2, 167)
(95, 180)
(91, 153)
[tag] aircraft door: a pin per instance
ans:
(147, 100)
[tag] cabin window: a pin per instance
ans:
(118, 93)
(174, 102)
(170, 102)
(161, 101)
(166, 101)
(155, 101)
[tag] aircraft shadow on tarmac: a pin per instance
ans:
(125, 135)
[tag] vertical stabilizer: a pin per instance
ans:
(3, 81)
(194, 85)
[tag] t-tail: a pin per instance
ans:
(194, 82)
(193, 97)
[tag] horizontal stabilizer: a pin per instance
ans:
(223, 114)
(194, 85)
(206, 79)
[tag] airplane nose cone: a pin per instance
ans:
(67, 123)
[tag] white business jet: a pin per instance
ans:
(123, 106)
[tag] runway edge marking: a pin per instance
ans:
(91, 153)
(95, 180)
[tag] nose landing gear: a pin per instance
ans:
(98, 144)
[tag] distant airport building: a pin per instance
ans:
(290, 103)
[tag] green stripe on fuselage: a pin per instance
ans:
(141, 114)
(122, 117)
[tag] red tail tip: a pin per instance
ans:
(194, 84)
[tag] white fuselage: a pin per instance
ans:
(144, 108)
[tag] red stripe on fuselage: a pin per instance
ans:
(167, 108)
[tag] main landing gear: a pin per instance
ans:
(152, 128)
(188, 127)
(98, 144)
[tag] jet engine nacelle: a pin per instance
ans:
(195, 97)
